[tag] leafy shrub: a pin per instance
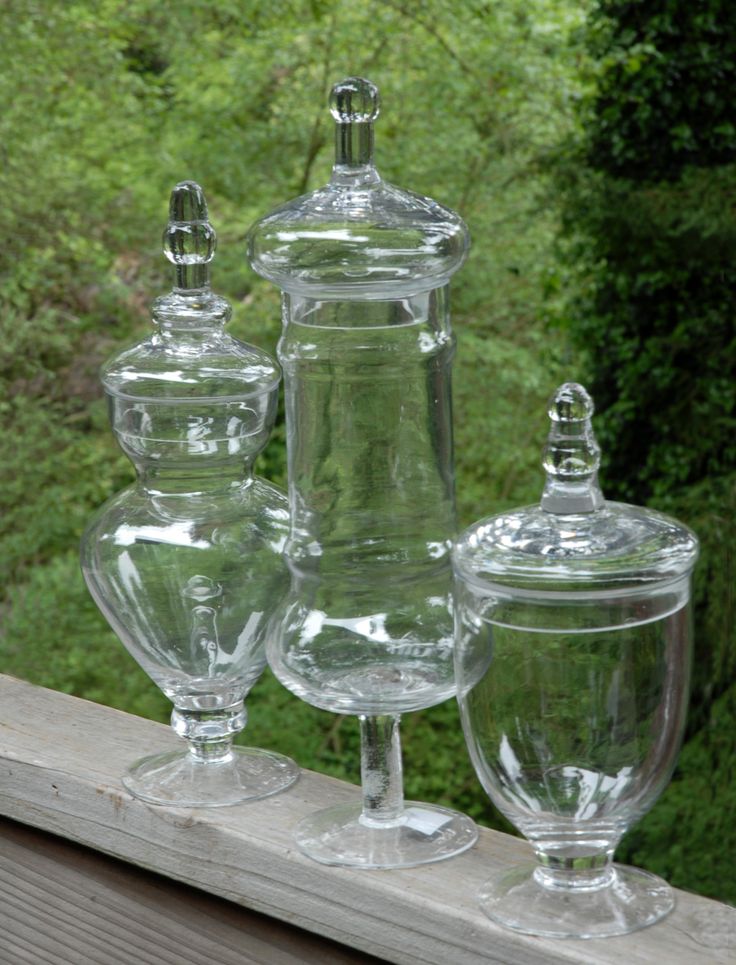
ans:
(666, 71)
(689, 836)
(657, 268)
(648, 188)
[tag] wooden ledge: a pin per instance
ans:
(64, 904)
(60, 763)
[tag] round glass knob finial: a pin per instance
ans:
(572, 456)
(354, 105)
(354, 100)
(189, 238)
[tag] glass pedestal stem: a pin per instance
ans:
(381, 771)
(212, 751)
(209, 733)
(210, 772)
(576, 891)
(575, 873)
(383, 831)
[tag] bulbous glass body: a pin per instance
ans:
(186, 563)
(188, 580)
(574, 730)
(573, 664)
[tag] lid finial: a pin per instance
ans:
(572, 456)
(189, 238)
(355, 104)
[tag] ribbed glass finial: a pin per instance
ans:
(189, 238)
(354, 103)
(572, 456)
(189, 244)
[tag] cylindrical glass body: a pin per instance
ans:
(368, 627)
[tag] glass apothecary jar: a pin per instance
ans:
(573, 660)
(366, 350)
(186, 563)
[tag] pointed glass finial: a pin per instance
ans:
(189, 238)
(354, 103)
(189, 242)
(572, 456)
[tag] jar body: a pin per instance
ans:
(186, 564)
(367, 627)
(575, 725)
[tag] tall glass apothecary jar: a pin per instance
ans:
(186, 562)
(578, 609)
(366, 353)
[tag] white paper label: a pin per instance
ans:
(425, 822)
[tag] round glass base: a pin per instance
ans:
(633, 899)
(179, 779)
(423, 833)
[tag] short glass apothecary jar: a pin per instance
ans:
(573, 660)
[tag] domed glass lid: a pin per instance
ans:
(574, 539)
(358, 237)
(190, 355)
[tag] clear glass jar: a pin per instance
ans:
(369, 626)
(186, 563)
(366, 352)
(573, 661)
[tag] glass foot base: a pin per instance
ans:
(180, 780)
(424, 833)
(633, 900)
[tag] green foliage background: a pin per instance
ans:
(648, 188)
(108, 104)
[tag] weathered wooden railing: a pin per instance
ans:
(60, 763)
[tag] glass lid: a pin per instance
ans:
(358, 236)
(574, 539)
(190, 355)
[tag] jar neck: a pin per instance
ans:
(354, 168)
(193, 313)
(191, 482)
(354, 145)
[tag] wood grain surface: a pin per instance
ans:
(62, 904)
(60, 764)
